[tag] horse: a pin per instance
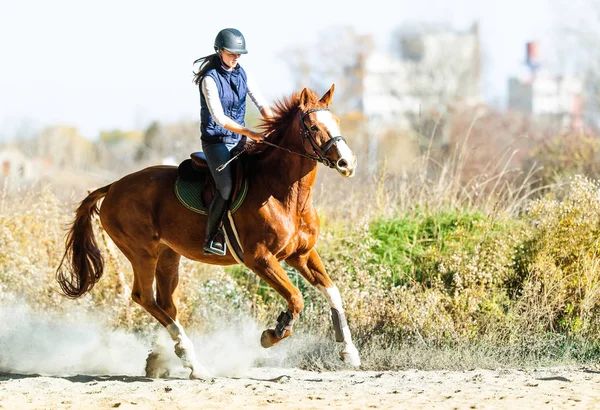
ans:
(276, 222)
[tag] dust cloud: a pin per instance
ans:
(33, 342)
(43, 343)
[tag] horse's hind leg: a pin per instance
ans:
(311, 268)
(145, 266)
(269, 269)
(167, 279)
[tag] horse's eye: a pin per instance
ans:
(314, 128)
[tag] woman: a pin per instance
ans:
(223, 87)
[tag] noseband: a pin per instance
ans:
(319, 153)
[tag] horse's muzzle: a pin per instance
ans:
(347, 166)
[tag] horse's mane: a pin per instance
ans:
(284, 112)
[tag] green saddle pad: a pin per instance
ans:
(189, 194)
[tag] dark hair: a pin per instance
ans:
(206, 63)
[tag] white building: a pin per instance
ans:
(16, 167)
(431, 72)
(436, 68)
(544, 95)
(538, 93)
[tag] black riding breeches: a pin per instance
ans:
(217, 155)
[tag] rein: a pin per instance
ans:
(286, 149)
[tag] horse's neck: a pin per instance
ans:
(289, 177)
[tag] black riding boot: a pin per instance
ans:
(214, 242)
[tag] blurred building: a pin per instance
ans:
(16, 167)
(432, 70)
(540, 94)
(428, 74)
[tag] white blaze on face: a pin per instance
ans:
(330, 124)
(332, 127)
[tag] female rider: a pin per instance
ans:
(224, 85)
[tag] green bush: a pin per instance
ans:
(562, 281)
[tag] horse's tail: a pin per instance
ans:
(84, 265)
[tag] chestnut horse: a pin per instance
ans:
(276, 222)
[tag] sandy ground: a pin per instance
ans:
(557, 388)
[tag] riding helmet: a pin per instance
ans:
(231, 40)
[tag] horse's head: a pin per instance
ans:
(322, 133)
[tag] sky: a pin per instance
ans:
(122, 64)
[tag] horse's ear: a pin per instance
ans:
(328, 96)
(304, 98)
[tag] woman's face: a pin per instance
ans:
(229, 59)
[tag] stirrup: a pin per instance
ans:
(216, 246)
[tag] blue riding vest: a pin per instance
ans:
(232, 86)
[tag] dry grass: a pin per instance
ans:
(436, 271)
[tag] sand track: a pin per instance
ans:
(561, 387)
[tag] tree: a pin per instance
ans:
(153, 142)
(61, 147)
(336, 58)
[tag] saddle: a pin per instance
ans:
(195, 187)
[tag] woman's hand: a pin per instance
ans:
(233, 126)
(255, 136)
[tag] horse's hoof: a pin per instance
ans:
(199, 373)
(158, 374)
(350, 356)
(156, 366)
(268, 338)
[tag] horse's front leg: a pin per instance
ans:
(311, 268)
(266, 266)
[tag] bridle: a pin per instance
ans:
(318, 152)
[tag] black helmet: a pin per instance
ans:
(231, 40)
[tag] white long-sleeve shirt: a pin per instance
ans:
(211, 95)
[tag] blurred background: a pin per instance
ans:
(92, 92)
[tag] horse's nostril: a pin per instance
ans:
(342, 163)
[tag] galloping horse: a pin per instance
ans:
(276, 222)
